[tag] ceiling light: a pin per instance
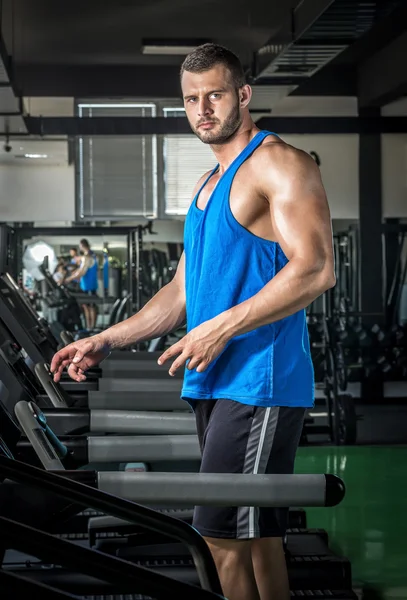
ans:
(168, 50)
(35, 155)
(170, 47)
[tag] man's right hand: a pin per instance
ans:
(79, 357)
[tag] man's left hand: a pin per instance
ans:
(201, 346)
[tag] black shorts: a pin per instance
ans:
(238, 438)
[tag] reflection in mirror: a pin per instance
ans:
(85, 284)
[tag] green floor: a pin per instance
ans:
(370, 525)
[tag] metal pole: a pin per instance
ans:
(129, 274)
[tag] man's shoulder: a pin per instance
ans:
(89, 259)
(200, 183)
(277, 150)
(280, 157)
(202, 179)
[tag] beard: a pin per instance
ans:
(227, 129)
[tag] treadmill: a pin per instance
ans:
(28, 547)
(129, 365)
(28, 332)
(18, 383)
(33, 333)
(107, 392)
(176, 489)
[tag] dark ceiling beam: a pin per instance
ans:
(382, 78)
(98, 81)
(332, 80)
(156, 82)
(115, 126)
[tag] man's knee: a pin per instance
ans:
(229, 552)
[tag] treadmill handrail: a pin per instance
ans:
(53, 390)
(94, 563)
(119, 507)
(22, 585)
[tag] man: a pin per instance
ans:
(258, 250)
(87, 274)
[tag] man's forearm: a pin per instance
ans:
(164, 313)
(291, 290)
(78, 274)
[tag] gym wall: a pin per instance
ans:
(339, 169)
(37, 193)
(36, 189)
(32, 191)
(44, 190)
(394, 175)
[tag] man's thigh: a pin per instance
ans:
(239, 438)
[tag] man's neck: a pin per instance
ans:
(226, 153)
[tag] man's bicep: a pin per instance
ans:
(300, 213)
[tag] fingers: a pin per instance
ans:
(71, 354)
(203, 366)
(181, 360)
(58, 358)
(58, 371)
(76, 373)
(194, 362)
(73, 371)
(172, 351)
(199, 363)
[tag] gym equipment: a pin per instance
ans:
(8, 258)
(331, 376)
(209, 489)
(96, 420)
(346, 293)
(114, 483)
(75, 493)
(220, 489)
(27, 325)
(163, 384)
(33, 334)
(147, 272)
(136, 365)
(20, 384)
(99, 566)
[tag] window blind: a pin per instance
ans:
(117, 175)
(186, 159)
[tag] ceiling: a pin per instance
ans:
(93, 49)
(91, 32)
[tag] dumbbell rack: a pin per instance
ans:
(331, 379)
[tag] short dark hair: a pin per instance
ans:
(74, 249)
(207, 56)
(85, 243)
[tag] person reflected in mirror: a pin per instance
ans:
(87, 275)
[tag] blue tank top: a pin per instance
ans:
(89, 282)
(225, 264)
